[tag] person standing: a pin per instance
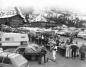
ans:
(67, 50)
(54, 52)
(57, 41)
(53, 49)
(71, 39)
(51, 42)
(68, 42)
(42, 39)
(82, 51)
(74, 48)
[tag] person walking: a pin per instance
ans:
(54, 52)
(82, 51)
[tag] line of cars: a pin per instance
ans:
(65, 31)
(77, 32)
(31, 51)
(19, 57)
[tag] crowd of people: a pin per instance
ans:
(53, 43)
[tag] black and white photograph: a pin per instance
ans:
(42, 33)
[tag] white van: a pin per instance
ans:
(13, 39)
(12, 60)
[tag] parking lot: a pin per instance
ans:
(60, 62)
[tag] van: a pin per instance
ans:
(13, 40)
(8, 59)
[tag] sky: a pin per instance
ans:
(75, 5)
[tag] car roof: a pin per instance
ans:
(8, 54)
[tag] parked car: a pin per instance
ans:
(13, 40)
(8, 59)
(32, 51)
(62, 32)
(56, 31)
(82, 34)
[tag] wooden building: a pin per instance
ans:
(13, 21)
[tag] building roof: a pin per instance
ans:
(7, 13)
(39, 18)
(11, 12)
(8, 54)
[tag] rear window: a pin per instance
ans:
(7, 39)
(7, 61)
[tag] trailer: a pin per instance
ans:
(12, 40)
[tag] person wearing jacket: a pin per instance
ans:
(74, 49)
(82, 51)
